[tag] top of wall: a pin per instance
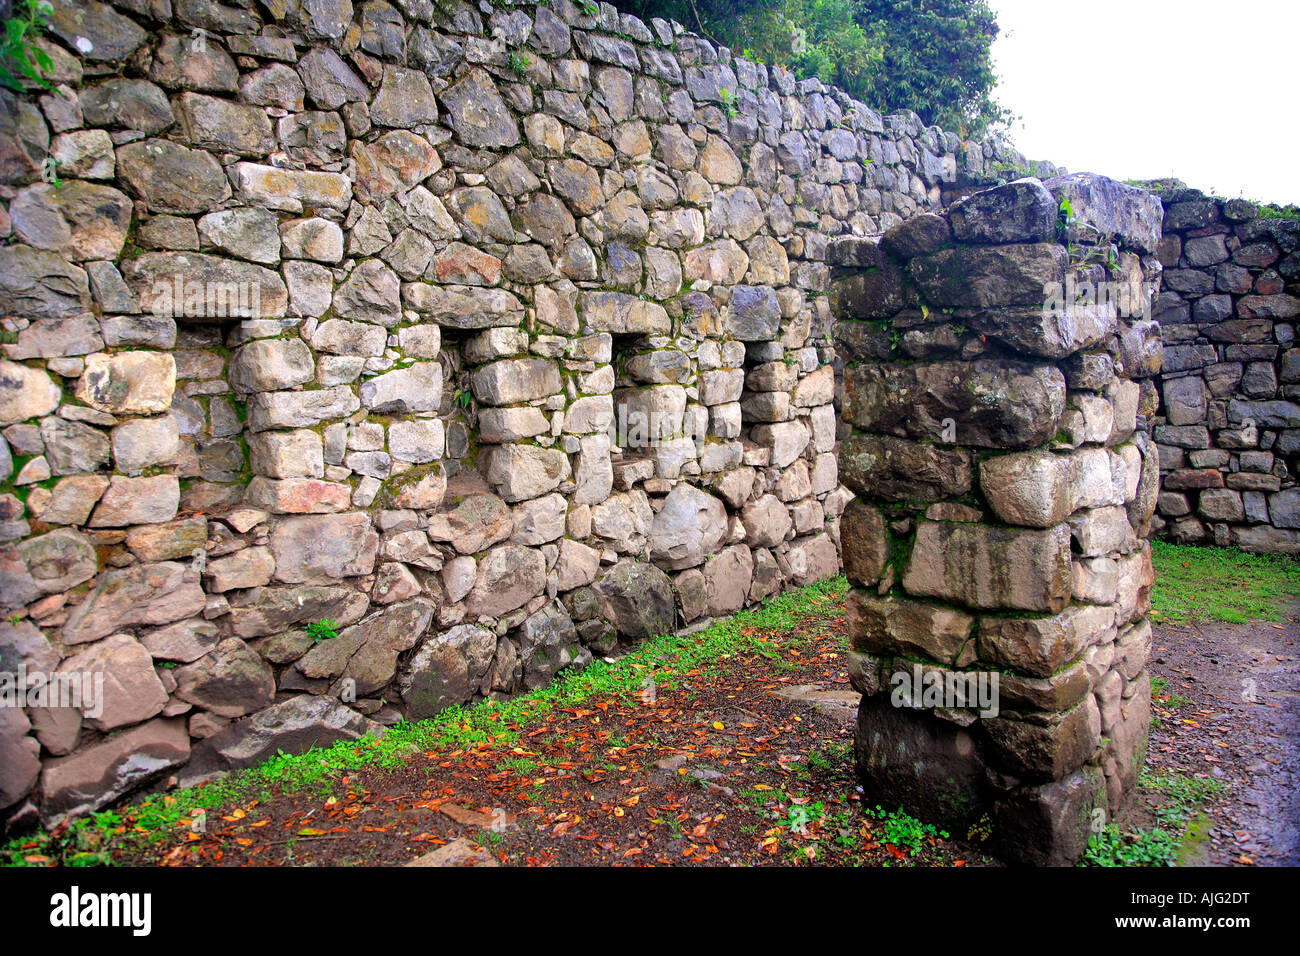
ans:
(444, 39)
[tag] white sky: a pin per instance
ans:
(1140, 89)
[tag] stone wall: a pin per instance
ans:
(314, 312)
(1229, 424)
(996, 547)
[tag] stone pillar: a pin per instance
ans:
(994, 434)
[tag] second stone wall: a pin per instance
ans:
(1229, 420)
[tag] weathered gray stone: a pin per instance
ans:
(141, 594)
(1019, 211)
(478, 114)
(449, 669)
(990, 276)
(129, 501)
(992, 404)
(171, 178)
(508, 578)
(78, 220)
(1126, 212)
(984, 566)
(320, 549)
(688, 528)
(231, 681)
(291, 726)
(1029, 488)
(520, 472)
(39, 284)
(106, 771)
(637, 598)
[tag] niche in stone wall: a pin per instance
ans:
(650, 403)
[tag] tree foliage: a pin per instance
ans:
(929, 56)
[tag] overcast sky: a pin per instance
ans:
(1140, 89)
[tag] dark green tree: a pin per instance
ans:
(930, 56)
(937, 61)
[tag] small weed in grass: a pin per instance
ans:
(833, 756)
(1160, 845)
(1220, 584)
(1113, 847)
(903, 830)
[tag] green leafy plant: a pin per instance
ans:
(1114, 847)
(519, 62)
(20, 58)
(903, 830)
(728, 100)
(1064, 219)
(463, 398)
(322, 630)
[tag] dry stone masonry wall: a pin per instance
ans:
(1005, 485)
(316, 310)
(1229, 421)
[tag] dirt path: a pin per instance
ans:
(1231, 711)
(748, 761)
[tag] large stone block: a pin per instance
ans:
(521, 472)
(887, 626)
(986, 277)
(512, 381)
(1132, 215)
(688, 528)
(321, 549)
(508, 578)
(636, 598)
(448, 669)
(104, 772)
(1029, 488)
(1041, 646)
(984, 566)
(987, 403)
(1019, 211)
(128, 383)
(884, 468)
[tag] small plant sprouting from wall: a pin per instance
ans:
(322, 630)
(20, 58)
(728, 101)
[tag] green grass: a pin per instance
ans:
(1274, 211)
(1179, 824)
(669, 658)
(1196, 583)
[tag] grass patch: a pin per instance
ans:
(1195, 583)
(665, 660)
(1179, 823)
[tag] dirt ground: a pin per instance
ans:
(751, 764)
(1231, 711)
